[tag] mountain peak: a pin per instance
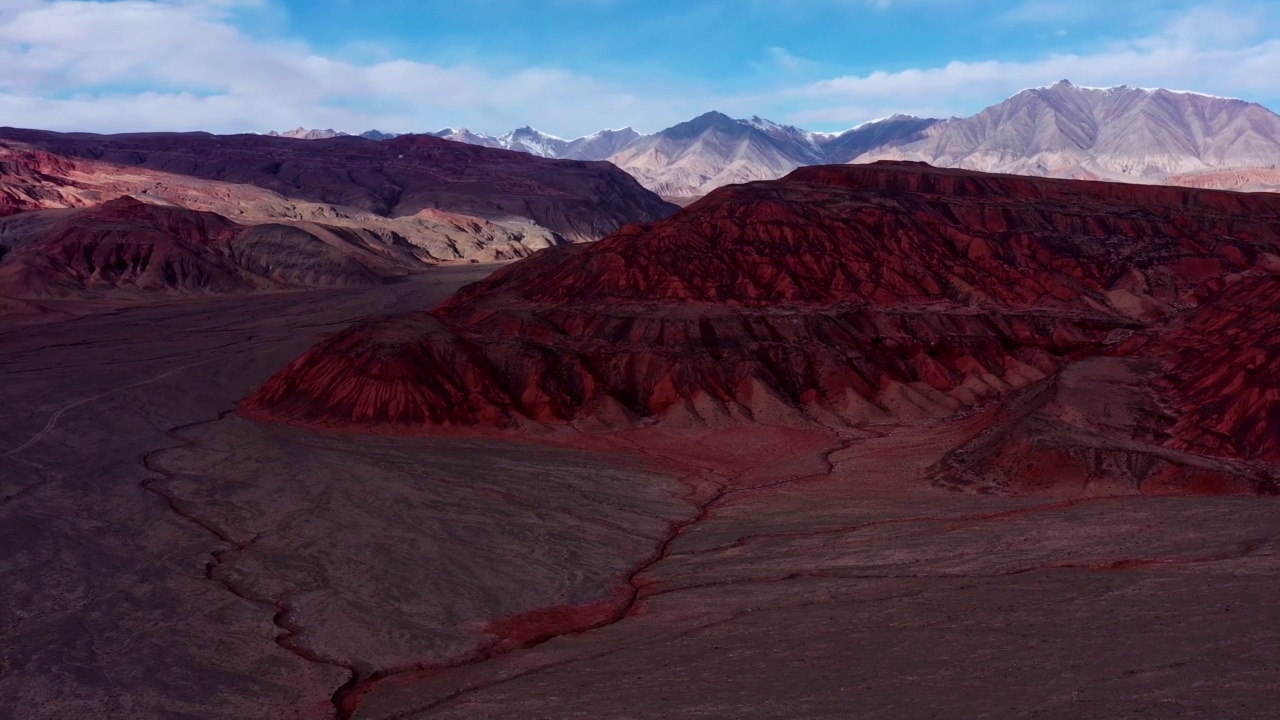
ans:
(301, 133)
(531, 131)
(701, 124)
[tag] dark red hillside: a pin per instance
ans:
(894, 233)
(838, 296)
(1223, 367)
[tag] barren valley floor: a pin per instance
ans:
(161, 556)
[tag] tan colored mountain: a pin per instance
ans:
(1120, 133)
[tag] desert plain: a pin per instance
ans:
(164, 555)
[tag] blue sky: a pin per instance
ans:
(573, 66)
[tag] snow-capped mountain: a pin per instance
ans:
(302, 133)
(526, 140)
(804, 142)
(532, 141)
(596, 146)
(600, 145)
(1118, 133)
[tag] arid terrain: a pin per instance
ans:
(664, 360)
(95, 215)
(164, 557)
(865, 442)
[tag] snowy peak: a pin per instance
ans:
(888, 119)
(535, 142)
(600, 145)
(302, 133)
(464, 135)
(807, 143)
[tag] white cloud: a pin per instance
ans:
(1205, 49)
(150, 65)
(782, 59)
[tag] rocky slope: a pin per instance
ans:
(1221, 369)
(1118, 133)
(887, 132)
(126, 244)
(839, 296)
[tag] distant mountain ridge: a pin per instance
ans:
(1119, 133)
(710, 151)
(694, 157)
(302, 133)
(1062, 130)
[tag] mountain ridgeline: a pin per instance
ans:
(1125, 134)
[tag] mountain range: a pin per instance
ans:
(1065, 130)
(82, 215)
(302, 133)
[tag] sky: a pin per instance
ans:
(571, 67)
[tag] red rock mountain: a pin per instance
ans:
(394, 178)
(850, 296)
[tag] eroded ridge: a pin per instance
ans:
(839, 297)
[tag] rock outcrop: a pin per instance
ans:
(1222, 372)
